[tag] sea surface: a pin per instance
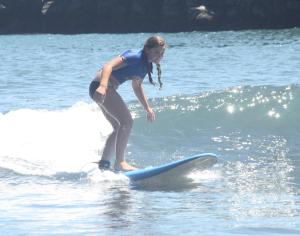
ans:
(235, 94)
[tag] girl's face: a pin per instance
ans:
(155, 54)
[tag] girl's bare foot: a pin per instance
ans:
(124, 166)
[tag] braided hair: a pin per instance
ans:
(152, 42)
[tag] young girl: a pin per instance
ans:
(131, 65)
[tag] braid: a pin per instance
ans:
(152, 42)
(159, 75)
(149, 71)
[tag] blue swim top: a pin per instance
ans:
(135, 66)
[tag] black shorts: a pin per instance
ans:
(93, 87)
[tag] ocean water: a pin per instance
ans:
(236, 94)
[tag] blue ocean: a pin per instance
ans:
(235, 94)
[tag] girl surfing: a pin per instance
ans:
(132, 65)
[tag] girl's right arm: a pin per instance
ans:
(106, 73)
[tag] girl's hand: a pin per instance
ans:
(99, 95)
(102, 90)
(150, 115)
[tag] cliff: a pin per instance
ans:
(123, 16)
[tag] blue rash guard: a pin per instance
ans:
(135, 66)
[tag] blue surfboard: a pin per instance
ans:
(170, 173)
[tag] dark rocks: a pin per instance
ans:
(243, 14)
(68, 16)
(200, 18)
(123, 16)
(173, 16)
(19, 16)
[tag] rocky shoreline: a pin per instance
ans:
(125, 16)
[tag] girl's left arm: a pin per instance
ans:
(139, 92)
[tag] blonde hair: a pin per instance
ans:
(152, 42)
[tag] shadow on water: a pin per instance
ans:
(117, 208)
(171, 187)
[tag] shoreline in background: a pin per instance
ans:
(119, 16)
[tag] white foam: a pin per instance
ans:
(61, 140)
(205, 175)
(97, 176)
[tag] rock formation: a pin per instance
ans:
(124, 16)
